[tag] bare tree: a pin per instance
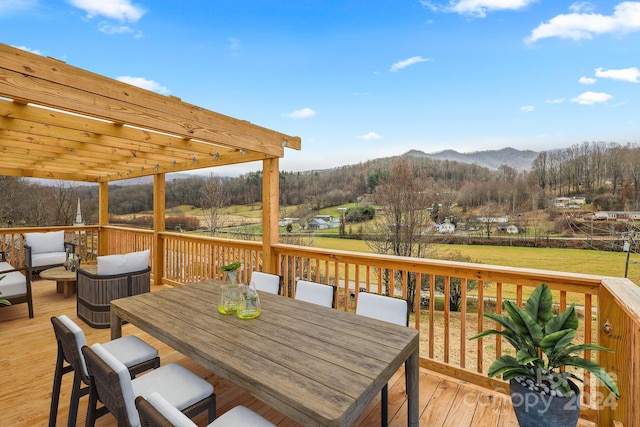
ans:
(212, 199)
(403, 228)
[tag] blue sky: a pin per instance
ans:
(358, 80)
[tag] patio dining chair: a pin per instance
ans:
(157, 411)
(134, 353)
(387, 309)
(266, 282)
(316, 293)
(111, 383)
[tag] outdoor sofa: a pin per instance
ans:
(16, 284)
(118, 276)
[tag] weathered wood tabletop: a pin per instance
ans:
(318, 366)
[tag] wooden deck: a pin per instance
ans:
(28, 353)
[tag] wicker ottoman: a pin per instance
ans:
(94, 293)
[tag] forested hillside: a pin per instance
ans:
(607, 174)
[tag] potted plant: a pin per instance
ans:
(542, 392)
(231, 271)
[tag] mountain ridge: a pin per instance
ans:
(520, 160)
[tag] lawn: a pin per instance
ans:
(568, 260)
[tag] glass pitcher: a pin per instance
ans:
(228, 299)
(249, 304)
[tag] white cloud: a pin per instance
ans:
(143, 83)
(582, 7)
(407, 62)
(527, 108)
(36, 51)
(300, 114)
(122, 10)
(370, 136)
(587, 80)
(106, 28)
(625, 74)
(477, 8)
(555, 101)
(583, 23)
(590, 98)
(11, 5)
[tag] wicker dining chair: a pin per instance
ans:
(387, 309)
(158, 412)
(112, 385)
(266, 282)
(316, 293)
(134, 353)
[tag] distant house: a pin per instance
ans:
(317, 224)
(513, 229)
(445, 228)
(494, 220)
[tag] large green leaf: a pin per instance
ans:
(568, 319)
(524, 358)
(581, 347)
(509, 367)
(539, 304)
(596, 370)
(554, 343)
(524, 323)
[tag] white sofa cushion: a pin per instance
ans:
(48, 258)
(52, 241)
(123, 263)
(14, 283)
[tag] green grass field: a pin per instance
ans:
(568, 260)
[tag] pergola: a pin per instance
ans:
(64, 123)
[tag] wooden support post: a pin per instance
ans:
(159, 210)
(270, 212)
(103, 218)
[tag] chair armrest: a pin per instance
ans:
(27, 255)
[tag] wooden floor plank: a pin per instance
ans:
(27, 362)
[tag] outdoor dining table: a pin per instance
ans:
(317, 365)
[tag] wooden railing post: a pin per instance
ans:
(619, 330)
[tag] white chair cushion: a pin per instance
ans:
(313, 292)
(52, 241)
(128, 394)
(388, 309)
(181, 387)
(130, 350)
(266, 282)
(123, 263)
(81, 340)
(170, 412)
(14, 284)
(240, 416)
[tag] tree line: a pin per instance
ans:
(608, 174)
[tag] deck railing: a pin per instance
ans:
(448, 300)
